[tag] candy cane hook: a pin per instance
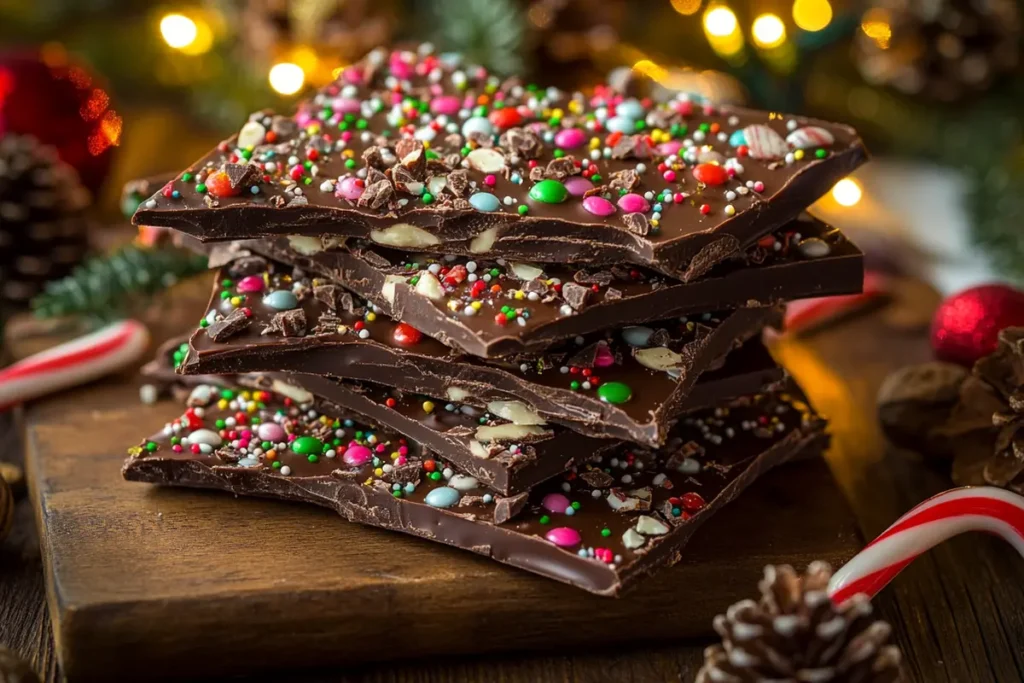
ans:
(972, 508)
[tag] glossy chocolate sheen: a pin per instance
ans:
(415, 152)
(362, 345)
(804, 259)
(528, 454)
(601, 527)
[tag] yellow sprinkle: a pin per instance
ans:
(246, 395)
(394, 456)
(798, 155)
(575, 107)
(236, 301)
(520, 294)
(251, 408)
(348, 153)
(476, 305)
(595, 143)
(546, 113)
(426, 144)
(655, 222)
(428, 406)
(371, 316)
(558, 113)
(379, 471)
(222, 404)
(342, 329)
(369, 481)
(730, 210)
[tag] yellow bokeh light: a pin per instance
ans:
(720, 22)
(768, 31)
(178, 31)
(812, 15)
(686, 7)
(847, 192)
(287, 78)
(876, 26)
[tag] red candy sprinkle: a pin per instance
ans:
(605, 555)
(219, 185)
(711, 175)
(692, 502)
(506, 118)
(766, 242)
(477, 289)
(390, 403)
(429, 465)
(406, 335)
(705, 209)
(457, 275)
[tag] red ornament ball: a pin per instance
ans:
(59, 103)
(967, 324)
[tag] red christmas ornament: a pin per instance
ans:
(967, 324)
(60, 104)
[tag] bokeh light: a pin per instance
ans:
(720, 22)
(287, 78)
(768, 31)
(847, 192)
(178, 31)
(812, 15)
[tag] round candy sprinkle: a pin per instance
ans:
(357, 456)
(281, 300)
(603, 356)
(463, 482)
(305, 445)
(506, 118)
(711, 175)
(637, 335)
(205, 436)
(219, 185)
(477, 124)
(631, 109)
(448, 105)
(634, 203)
(250, 284)
(564, 537)
(406, 335)
(555, 503)
(549, 191)
(270, 431)
(615, 393)
(570, 138)
(578, 186)
(620, 124)
(599, 206)
(443, 497)
(350, 188)
(484, 201)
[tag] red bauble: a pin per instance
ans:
(60, 104)
(967, 324)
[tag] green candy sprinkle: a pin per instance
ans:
(545, 519)
(606, 532)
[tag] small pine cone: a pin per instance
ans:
(796, 635)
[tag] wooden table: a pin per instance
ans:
(958, 612)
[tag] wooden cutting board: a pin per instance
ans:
(148, 583)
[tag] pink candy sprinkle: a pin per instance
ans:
(599, 206)
(403, 450)
(758, 186)
(570, 138)
(357, 456)
(634, 203)
(350, 188)
(448, 105)
(345, 105)
(667, 149)
(603, 357)
(177, 448)
(564, 537)
(669, 175)
(250, 284)
(578, 185)
(490, 180)
(555, 503)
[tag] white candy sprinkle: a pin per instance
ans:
(286, 470)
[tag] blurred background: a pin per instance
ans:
(122, 89)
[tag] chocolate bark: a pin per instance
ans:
(804, 259)
(506, 457)
(600, 527)
(626, 384)
(417, 152)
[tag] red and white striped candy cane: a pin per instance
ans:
(972, 508)
(75, 362)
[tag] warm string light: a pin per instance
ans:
(847, 192)
(686, 7)
(287, 78)
(768, 31)
(723, 31)
(876, 26)
(812, 15)
(178, 31)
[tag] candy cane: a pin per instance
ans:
(804, 314)
(75, 362)
(981, 508)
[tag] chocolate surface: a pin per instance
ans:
(416, 151)
(600, 527)
(504, 456)
(470, 309)
(625, 384)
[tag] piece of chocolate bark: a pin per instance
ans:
(626, 384)
(601, 526)
(464, 302)
(413, 151)
(487, 443)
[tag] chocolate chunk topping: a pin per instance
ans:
(247, 265)
(377, 195)
(373, 157)
(710, 256)
(637, 223)
(241, 175)
(334, 297)
(560, 169)
(575, 295)
(458, 183)
(507, 508)
(599, 479)
(409, 473)
(627, 180)
(224, 329)
(288, 323)
(612, 294)
(522, 142)
(600, 277)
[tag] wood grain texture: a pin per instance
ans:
(141, 576)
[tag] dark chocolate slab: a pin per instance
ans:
(506, 457)
(418, 152)
(804, 259)
(329, 334)
(601, 527)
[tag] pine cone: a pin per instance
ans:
(42, 225)
(795, 634)
(942, 50)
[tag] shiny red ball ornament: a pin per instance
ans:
(967, 324)
(61, 104)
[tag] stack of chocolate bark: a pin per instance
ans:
(519, 321)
